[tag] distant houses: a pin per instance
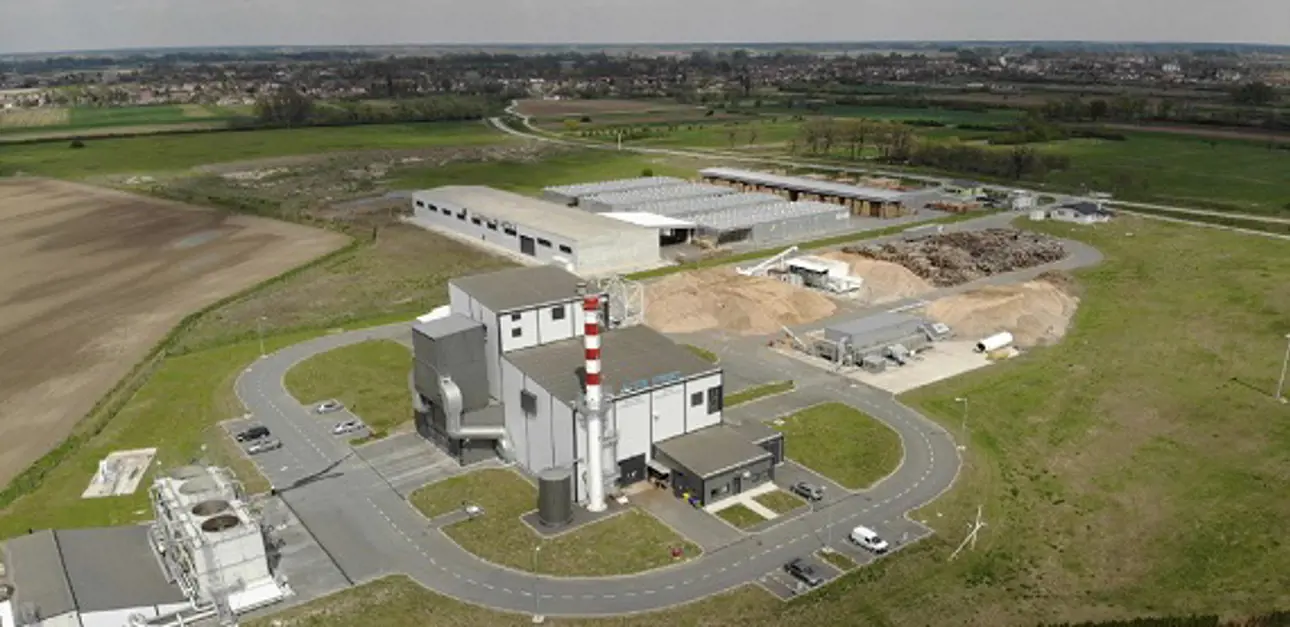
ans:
(1082, 212)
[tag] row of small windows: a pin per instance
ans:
(507, 228)
(528, 402)
(557, 313)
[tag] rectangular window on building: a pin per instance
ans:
(446, 211)
(516, 332)
(528, 403)
(475, 221)
(557, 313)
(715, 399)
(544, 242)
(566, 250)
(421, 203)
(696, 399)
(515, 317)
(508, 229)
(461, 215)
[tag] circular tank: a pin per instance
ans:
(187, 472)
(555, 497)
(220, 523)
(198, 486)
(211, 507)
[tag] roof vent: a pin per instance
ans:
(223, 522)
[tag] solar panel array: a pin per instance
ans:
(704, 204)
(803, 184)
(734, 218)
(629, 200)
(580, 190)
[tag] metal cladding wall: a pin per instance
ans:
(795, 228)
(555, 497)
(460, 356)
(734, 481)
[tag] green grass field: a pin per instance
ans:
(755, 392)
(842, 444)
(177, 411)
(838, 560)
(370, 378)
(529, 178)
(703, 353)
(779, 501)
(740, 516)
(168, 153)
(625, 543)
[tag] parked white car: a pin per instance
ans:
(348, 426)
(868, 539)
(327, 407)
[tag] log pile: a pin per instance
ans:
(955, 258)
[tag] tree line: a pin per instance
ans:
(287, 108)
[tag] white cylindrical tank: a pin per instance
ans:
(994, 342)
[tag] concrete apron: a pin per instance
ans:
(746, 499)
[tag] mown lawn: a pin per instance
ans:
(779, 501)
(748, 395)
(370, 378)
(841, 443)
(740, 516)
(629, 542)
(165, 153)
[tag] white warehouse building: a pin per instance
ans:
(537, 230)
(505, 371)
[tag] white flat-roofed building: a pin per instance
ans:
(544, 232)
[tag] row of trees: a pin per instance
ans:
(290, 108)
(1136, 109)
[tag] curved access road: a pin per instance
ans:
(368, 530)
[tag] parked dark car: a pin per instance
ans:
(808, 491)
(252, 434)
(801, 570)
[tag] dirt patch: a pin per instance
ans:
(91, 279)
(1035, 312)
(718, 298)
(884, 282)
(556, 108)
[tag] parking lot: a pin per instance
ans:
(785, 586)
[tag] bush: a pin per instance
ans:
(647, 172)
(77, 143)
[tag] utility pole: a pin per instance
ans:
(963, 428)
(1281, 384)
(538, 618)
(259, 331)
(970, 540)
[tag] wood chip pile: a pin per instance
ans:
(955, 258)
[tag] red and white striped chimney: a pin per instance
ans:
(595, 423)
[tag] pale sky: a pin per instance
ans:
(48, 25)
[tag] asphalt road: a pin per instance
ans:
(370, 531)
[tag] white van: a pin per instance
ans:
(868, 538)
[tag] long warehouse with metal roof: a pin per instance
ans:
(867, 201)
(588, 244)
(629, 200)
(769, 223)
(571, 195)
(694, 206)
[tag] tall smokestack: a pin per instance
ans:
(595, 423)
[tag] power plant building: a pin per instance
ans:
(542, 231)
(507, 372)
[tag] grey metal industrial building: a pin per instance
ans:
(88, 577)
(694, 206)
(629, 200)
(873, 340)
(768, 223)
(547, 232)
(504, 371)
(571, 194)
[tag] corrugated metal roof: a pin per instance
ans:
(632, 198)
(629, 356)
(877, 322)
(690, 206)
(578, 190)
(747, 217)
(535, 213)
(648, 220)
(711, 451)
(33, 564)
(802, 184)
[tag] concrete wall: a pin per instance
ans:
(668, 407)
(700, 416)
(540, 325)
(515, 420)
(630, 248)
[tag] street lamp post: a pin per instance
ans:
(1282, 382)
(259, 331)
(538, 618)
(963, 428)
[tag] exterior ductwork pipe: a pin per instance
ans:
(592, 398)
(450, 397)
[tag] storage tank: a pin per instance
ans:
(994, 342)
(555, 497)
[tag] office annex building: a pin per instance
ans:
(506, 371)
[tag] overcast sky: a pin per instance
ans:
(50, 25)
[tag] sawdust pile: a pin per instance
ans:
(1035, 312)
(885, 281)
(719, 298)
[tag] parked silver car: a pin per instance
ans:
(348, 426)
(264, 445)
(327, 407)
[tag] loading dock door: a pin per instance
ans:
(527, 247)
(631, 470)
